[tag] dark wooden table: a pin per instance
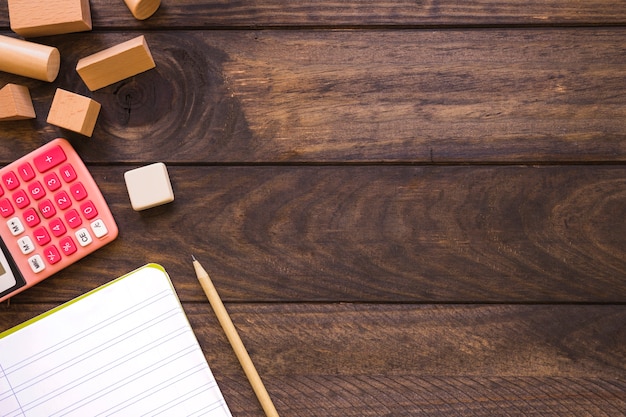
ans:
(409, 208)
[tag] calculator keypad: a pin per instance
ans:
(46, 209)
(54, 214)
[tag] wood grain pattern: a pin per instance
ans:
(424, 13)
(384, 234)
(419, 360)
(336, 96)
(376, 395)
(452, 340)
(409, 208)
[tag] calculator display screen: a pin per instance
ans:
(10, 279)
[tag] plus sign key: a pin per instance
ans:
(49, 159)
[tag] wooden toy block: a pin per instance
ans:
(148, 186)
(31, 18)
(116, 63)
(29, 59)
(142, 9)
(15, 103)
(74, 112)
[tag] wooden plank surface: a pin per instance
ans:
(420, 359)
(375, 234)
(283, 13)
(409, 208)
(496, 96)
(562, 341)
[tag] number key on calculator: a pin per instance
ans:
(52, 214)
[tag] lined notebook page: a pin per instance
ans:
(125, 349)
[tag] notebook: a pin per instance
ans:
(124, 349)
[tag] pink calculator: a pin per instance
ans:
(52, 214)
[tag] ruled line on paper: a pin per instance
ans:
(74, 361)
(103, 393)
(200, 391)
(207, 410)
(8, 401)
(83, 333)
(90, 376)
(131, 352)
(174, 402)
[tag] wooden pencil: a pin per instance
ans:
(235, 340)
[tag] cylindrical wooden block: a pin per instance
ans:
(142, 9)
(29, 59)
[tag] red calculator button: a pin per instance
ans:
(1, 191)
(73, 219)
(52, 255)
(6, 208)
(67, 245)
(21, 199)
(37, 190)
(67, 173)
(46, 208)
(78, 191)
(26, 171)
(31, 217)
(62, 199)
(49, 158)
(57, 227)
(89, 210)
(41, 235)
(52, 181)
(10, 180)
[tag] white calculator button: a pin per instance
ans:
(99, 228)
(26, 245)
(15, 226)
(83, 237)
(36, 263)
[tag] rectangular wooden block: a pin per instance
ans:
(32, 18)
(74, 112)
(116, 63)
(15, 103)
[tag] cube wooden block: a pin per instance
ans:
(15, 103)
(74, 112)
(31, 18)
(149, 186)
(116, 63)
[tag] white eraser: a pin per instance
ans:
(149, 186)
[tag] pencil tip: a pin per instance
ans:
(193, 258)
